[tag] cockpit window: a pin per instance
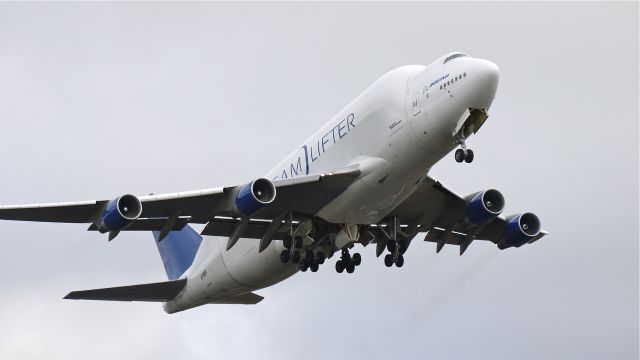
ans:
(451, 57)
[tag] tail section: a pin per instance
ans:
(177, 250)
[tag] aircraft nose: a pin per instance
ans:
(489, 73)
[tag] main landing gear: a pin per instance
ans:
(310, 260)
(396, 241)
(348, 262)
(395, 254)
(292, 252)
(463, 154)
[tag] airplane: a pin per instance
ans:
(362, 178)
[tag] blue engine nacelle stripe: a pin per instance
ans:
(254, 195)
(120, 212)
(484, 206)
(519, 229)
(177, 250)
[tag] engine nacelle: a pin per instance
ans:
(519, 230)
(255, 195)
(484, 206)
(119, 213)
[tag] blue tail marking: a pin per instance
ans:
(177, 250)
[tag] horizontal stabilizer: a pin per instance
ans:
(156, 292)
(244, 299)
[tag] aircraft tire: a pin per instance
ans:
(295, 258)
(287, 241)
(357, 259)
(388, 260)
(459, 155)
(351, 267)
(284, 256)
(391, 246)
(309, 256)
(339, 266)
(469, 156)
(400, 261)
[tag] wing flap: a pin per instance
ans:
(150, 225)
(153, 292)
(255, 229)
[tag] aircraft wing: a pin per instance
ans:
(301, 195)
(439, 211)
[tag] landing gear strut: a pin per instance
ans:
(395, 246)
(463, 154)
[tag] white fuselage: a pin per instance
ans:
(395, 131)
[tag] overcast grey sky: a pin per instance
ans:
(100, 99)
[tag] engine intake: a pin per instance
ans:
(120, 212)
(484, 206)
(519, 230)
(254, 196)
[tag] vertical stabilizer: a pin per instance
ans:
(177, 250)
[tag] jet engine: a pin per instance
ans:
(519, 230)
(255, 195)
(483, 206)
(119, 213)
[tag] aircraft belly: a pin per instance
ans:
(255, 269)
(370, 198)
(207, 280)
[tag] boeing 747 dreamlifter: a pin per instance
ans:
(363, 178)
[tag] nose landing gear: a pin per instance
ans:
(463, 154)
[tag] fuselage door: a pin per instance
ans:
(415, 104)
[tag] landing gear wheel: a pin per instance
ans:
(287, 241)
(297, 242)
(391, 246)
(346, 257)
(295, 258)
(469, 156)
(339, 266)
(388, 260)
(400, 261)
(303, 266)
(314, 267)
(350, 267)
(320, 257)
(459, 155)
(309, 257)
(357, 259)
(284, 256)
(403, 246)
